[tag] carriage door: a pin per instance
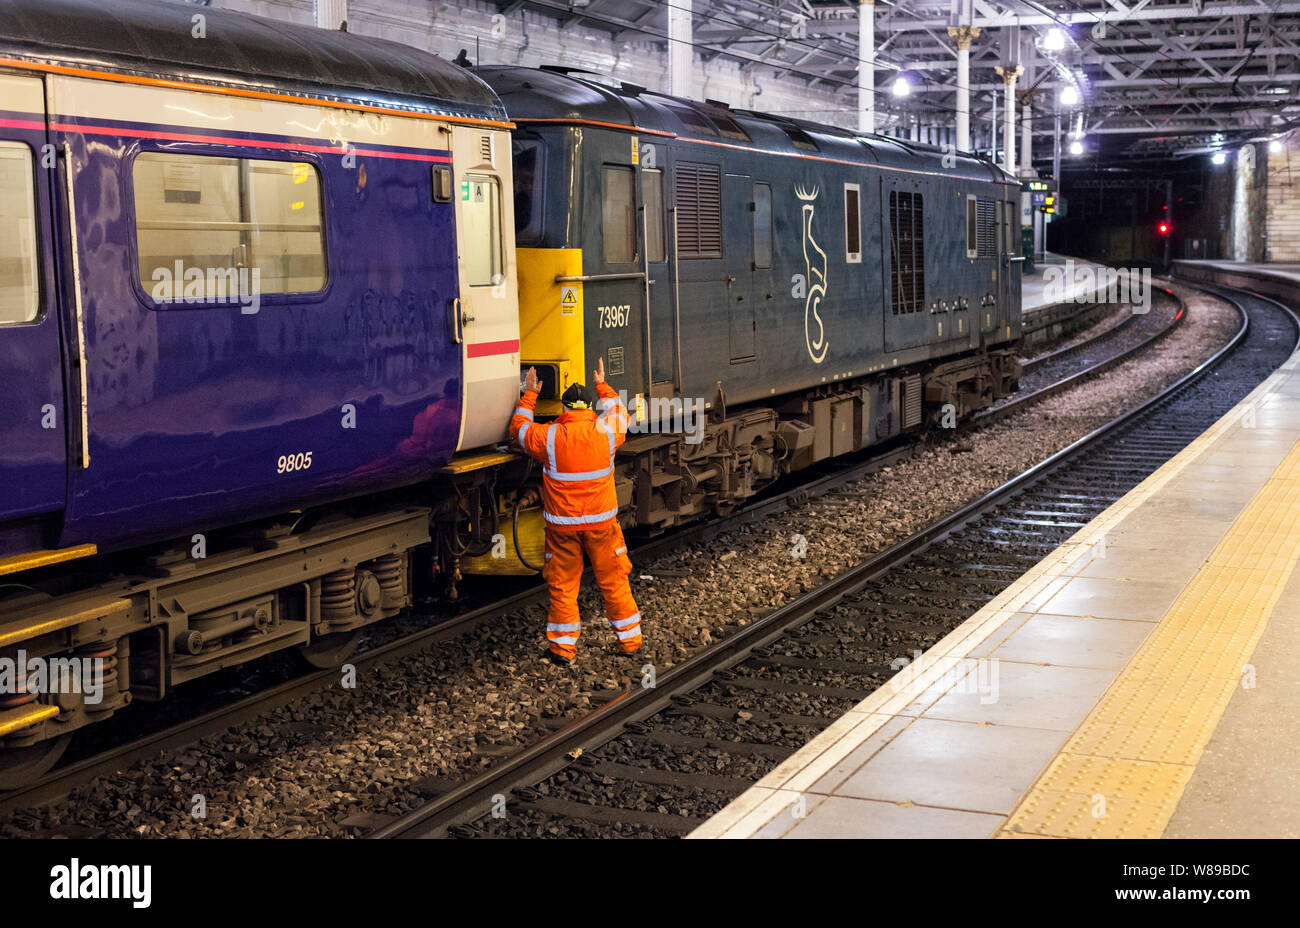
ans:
(33, 416)
(662, 286)
(1011, 269)
(484, 317)
(739, 252)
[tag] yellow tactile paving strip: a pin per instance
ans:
(1123, 770)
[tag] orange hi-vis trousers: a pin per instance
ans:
(607, 552)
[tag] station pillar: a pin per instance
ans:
(866, 66)
(963, 36)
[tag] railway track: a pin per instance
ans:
(282, 689)
(658, 760)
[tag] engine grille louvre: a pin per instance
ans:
(698, 196)
(486, 150)
(987, 227)
(911, 401)
(906, 253)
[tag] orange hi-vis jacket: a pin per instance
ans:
(577, 454)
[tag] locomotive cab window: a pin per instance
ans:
(618, 214)
(225, 224)
(762, 225)
(19, 291)
(528, 160)
(652, 188)
(480, 198)
(852, 224)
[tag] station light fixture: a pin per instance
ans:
(1076, 147)
(1054, 41)
(1275, 147)
(1219, 157)
(901, 87)
(1069, 95)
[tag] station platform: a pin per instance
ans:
(1144, 676)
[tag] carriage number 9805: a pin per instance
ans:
(612, 317)
(288, 463)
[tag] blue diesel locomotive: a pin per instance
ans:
(262, 320)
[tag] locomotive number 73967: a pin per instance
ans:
(613, 317)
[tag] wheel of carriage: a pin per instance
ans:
(21, 767)
(326, 652)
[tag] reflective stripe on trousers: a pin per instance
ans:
(605, 548)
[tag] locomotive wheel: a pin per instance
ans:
(21, 767)
(329, 651)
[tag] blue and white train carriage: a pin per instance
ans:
(246, 269)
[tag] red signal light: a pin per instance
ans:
(1163, 228)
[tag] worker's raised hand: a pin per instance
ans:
(598, 375)
(530, 380)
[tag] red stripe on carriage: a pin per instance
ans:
(487, 349)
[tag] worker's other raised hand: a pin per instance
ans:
(598, 375)
(530, 380)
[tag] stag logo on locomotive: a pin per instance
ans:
(812, 285)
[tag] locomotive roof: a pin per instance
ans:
(243, 53)
(569, 95)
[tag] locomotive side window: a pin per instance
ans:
(480, 198)
(698, 196)
(528, 164)
(652, 188)
(762, 225)
(618, 214)
(19, 290)
(852, 224)
(906, 252)
(214, 220)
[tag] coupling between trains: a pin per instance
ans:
(262, 331)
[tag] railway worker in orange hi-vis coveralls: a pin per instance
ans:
(580, 507)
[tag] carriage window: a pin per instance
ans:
(219, 229)
(618, 214)
(19, 291)
(652, 188)
(762, 225)
(528, 162)
(852, 224)
(480, 200)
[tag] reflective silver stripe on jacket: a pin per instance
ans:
(579, 475)
(526, 413)
(579, 520)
